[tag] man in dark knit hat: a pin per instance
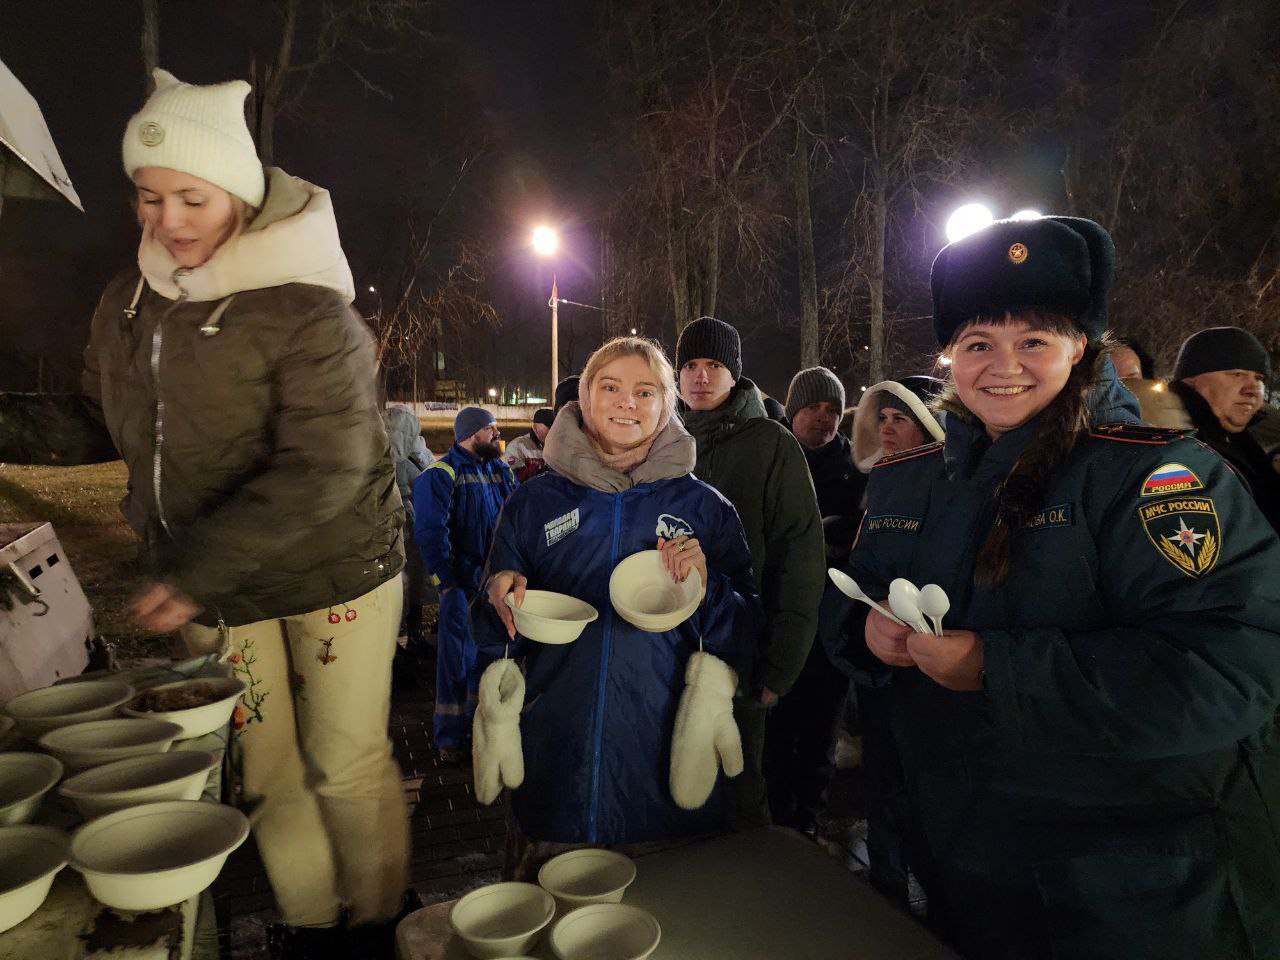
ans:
(457, 500)
(759, 467)
(802, 728)
(1219, 376)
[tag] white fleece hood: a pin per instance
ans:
(866, 422)
(293, 239)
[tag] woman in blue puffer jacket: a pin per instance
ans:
(599, 712)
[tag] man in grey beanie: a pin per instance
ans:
(1219, 376)
(803, 726)
(457, 500)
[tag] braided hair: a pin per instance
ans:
(1063, 423)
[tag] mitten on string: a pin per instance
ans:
(705, 739)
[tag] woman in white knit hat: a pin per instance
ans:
(238, 385)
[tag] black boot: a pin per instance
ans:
(307, 943)
(377, 941)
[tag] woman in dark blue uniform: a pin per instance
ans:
(1089, 748)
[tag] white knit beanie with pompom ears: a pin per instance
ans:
(199, 130)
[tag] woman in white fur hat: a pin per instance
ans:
(238, 385)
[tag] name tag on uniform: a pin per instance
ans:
(1059, 515)
(892, 522)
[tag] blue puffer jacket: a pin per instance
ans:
(599, 711)
(457, 500)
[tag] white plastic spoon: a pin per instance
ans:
(849, 587)
(934, 603)
(904, 600)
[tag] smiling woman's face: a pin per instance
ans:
(1007, 373)
(189, 216)
(626, 403)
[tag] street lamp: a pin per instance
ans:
(545, 244)
(970, 218)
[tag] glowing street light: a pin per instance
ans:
(970, 218)
(633, 331)
(546, 242)
(1027, 214)
(373, 289)
(493, 392)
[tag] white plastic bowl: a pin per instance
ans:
(606, 931)
(197, 721)
(580, 877)
(39, 711)
(549, 617)
(102, 741)
(176, 775)
(24, 780)
(502, 919)
(643, 593)
(156, 855)
(30, 857)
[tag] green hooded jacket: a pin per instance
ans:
(759, 467)
(260, 477)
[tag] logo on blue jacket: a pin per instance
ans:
(670, 527)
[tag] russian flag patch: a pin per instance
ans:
(1170, 478)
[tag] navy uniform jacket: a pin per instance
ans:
(1115, 789)
(599, 711)
(457, 500)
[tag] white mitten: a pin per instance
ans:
(705, 737)
(496, 756)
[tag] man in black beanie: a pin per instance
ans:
(1219, 376)
(758, 466)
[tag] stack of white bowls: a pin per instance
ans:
(152, 844)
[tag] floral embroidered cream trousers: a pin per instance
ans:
(310, 745)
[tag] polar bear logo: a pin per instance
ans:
(670, 527)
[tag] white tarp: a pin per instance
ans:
(24, 133)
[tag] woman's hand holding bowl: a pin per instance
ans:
(500, 584)
(682, 554)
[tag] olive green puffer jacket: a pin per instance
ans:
(760, 468)
(260, 478)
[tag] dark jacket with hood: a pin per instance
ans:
(1114, 790)
(599, 712)
(241, 395)
(1241, 450)
(759, 466)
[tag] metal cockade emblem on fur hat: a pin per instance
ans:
(1018, 253)
(151, 133)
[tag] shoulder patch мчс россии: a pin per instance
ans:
(1185, 531)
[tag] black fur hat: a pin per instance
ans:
(1054, 264)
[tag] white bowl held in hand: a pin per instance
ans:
(156, 855)
(220, 694)
(580, 877)
(176, 775)
(549, 617)
(30, 857)
(86, 745)
(24, 780)
(39, 711)
(606, 931)
(643, 593)
(502, 919)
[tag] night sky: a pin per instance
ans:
(522, 78)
